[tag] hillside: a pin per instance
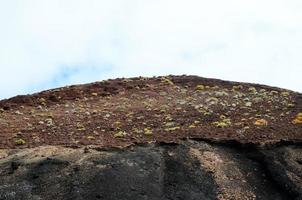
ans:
(161, 138)
(141, 110)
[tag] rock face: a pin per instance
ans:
(189, 170)
(161, 138)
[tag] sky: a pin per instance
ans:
(52, 43)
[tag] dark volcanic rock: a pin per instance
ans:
(285, 166)
(190, 170)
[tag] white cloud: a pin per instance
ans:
(255, 41)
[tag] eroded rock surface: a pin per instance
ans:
(190, 170)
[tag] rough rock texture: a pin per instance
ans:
(165, 138)
(123, 112)
(190, 170)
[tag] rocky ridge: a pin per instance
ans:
(173, 137)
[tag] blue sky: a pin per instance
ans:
(52, 43)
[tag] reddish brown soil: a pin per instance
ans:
(121, 112)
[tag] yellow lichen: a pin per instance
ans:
(172, 129)
(237, 87)
(169, 118)
(167, 81)
(285, 94)
(147, 131)
(42, 101)
(117, 123)
(137, 131)
(162, 111)
(261, 122)
(49, 122)
(222, 116)
(90, 137)
(223, 123)
(252, 90)
(298, 119)
(20, 142)
(80, 127)
(120, 134)
(220, 124)
(200, 87)
(94, 94)
(192, 126)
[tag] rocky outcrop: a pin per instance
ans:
(189, 170)
(160, 138)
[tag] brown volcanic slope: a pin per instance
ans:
(120, 112)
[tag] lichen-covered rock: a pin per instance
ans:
(160, 138)
(298, 119)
